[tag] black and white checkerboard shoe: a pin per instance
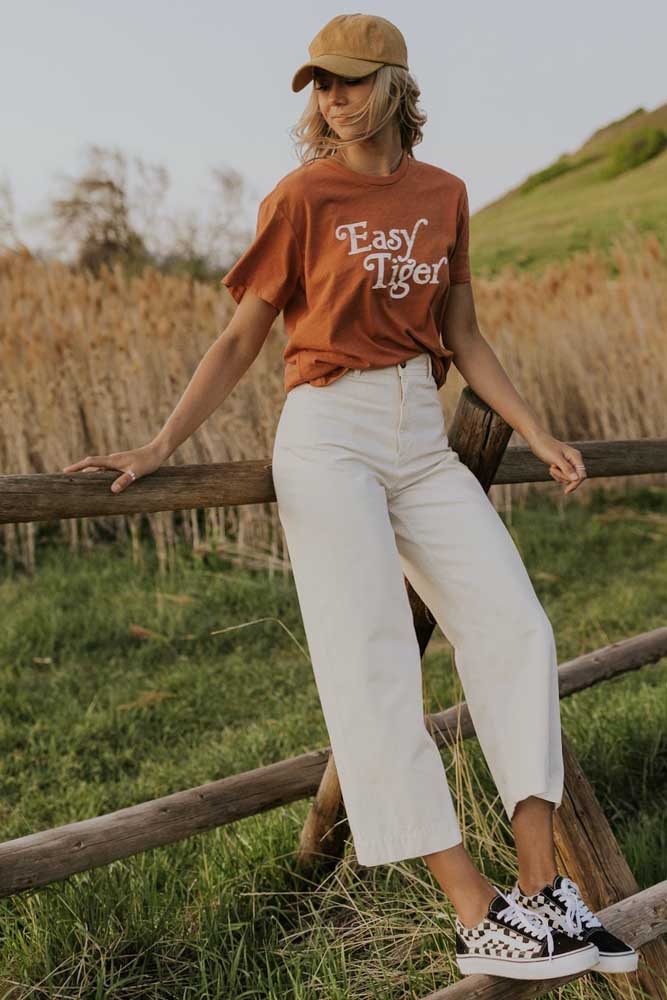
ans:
(513, 942)
(561, 905)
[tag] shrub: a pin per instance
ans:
(562, 165)
(636, 148)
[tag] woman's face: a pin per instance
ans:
(339, 96)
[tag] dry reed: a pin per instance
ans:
(95, 365)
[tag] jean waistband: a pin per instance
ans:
(420, 364)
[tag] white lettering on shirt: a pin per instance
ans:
(394, 271)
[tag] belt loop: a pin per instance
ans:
(430, 364)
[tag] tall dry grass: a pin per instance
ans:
(95, 365)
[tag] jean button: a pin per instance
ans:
(402, 364)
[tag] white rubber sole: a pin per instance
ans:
(617, 963)
(530, 968)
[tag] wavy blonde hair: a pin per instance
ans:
(395, 93)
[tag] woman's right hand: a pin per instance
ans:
(140, 461)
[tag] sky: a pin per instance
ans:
(193, 86)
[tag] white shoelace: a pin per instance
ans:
(577, 915)
(527, 920)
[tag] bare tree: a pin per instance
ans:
(204, 248)
(114, 210)
(95, 215)
(9, 238)
(103, 217)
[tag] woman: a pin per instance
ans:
(365, 249)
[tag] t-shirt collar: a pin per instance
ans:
(372, 179)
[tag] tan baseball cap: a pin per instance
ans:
(353, 45)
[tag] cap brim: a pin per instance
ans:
(341, 65)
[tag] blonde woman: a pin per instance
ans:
(364, 249)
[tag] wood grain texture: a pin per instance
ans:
(325, 831)
(588, 851)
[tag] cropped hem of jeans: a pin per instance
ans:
(550, 795)
(412, 842)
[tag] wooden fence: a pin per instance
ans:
(585, 845)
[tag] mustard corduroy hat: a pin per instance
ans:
(353, 45)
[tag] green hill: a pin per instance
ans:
(581, 201)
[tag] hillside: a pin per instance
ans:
(581, 201)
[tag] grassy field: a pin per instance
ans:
(113, 691)
(575, 208)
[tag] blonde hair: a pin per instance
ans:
(395, 94)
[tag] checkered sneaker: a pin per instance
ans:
(515, 942)
(561, 905)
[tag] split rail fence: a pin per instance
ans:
(585, 844)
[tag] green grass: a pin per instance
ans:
(95, 718)
(571, 205)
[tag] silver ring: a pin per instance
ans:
(130, 473)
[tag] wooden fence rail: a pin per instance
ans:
(54, 496)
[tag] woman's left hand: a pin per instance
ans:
(565, 462)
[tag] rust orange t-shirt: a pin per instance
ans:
(360, 265)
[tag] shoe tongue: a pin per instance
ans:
(497, 904)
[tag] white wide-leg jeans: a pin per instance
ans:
(369, 489)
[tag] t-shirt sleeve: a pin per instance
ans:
(272, 264)
(459, 262)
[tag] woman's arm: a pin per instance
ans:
(224, 363)
(221, 367)
(477, 362)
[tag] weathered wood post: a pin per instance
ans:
(588, 851)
